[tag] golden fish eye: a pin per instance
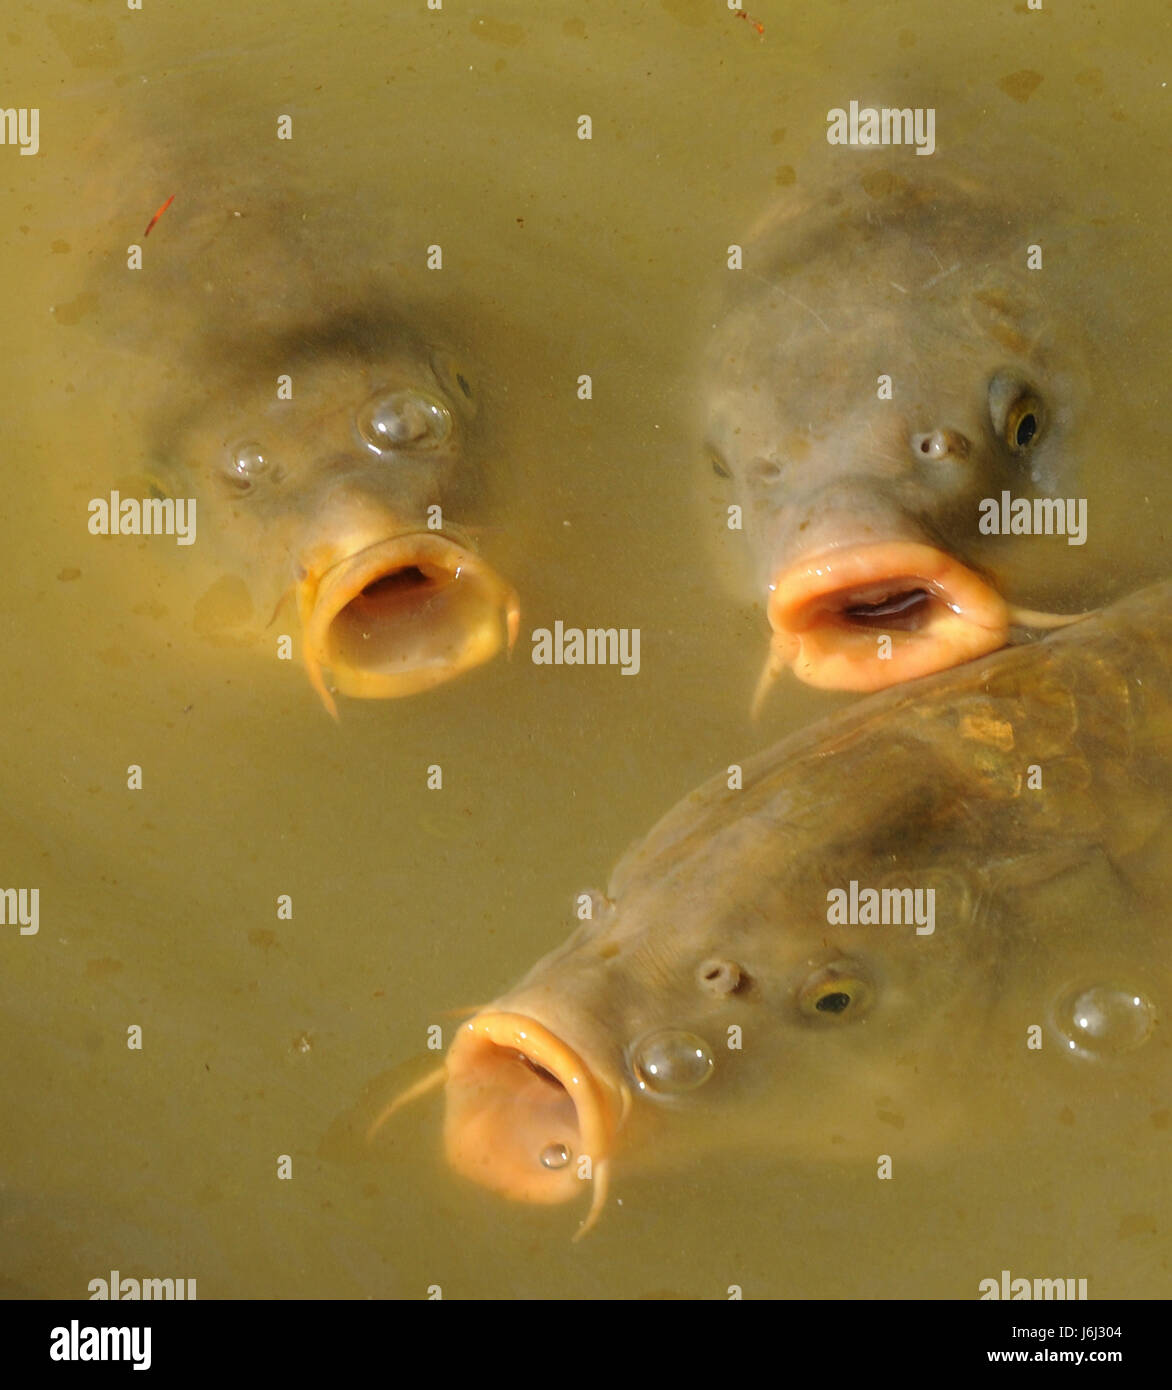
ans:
(1023, 424)
(834, 993)
(1017, 412)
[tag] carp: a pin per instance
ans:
(349, 493)
(889, 366)
(324, 418)
(856, 930)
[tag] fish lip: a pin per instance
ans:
(959, 617)
(498, 1120)
(453, 638)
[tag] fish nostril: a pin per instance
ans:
(719, 976)
(764, 472)
(940, 444)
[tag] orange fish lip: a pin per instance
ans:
(523, 1109)
(403, 615)
(828, 614)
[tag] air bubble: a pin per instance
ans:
(670, 1062)
(1103, 1019)
(247, 463)
(403, 420)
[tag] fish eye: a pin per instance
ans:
(1023, 424)
(1016, 411)
(835, 992)
(246, 465)
(449, 372)
(403, 420)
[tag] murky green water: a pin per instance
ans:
(158, 907)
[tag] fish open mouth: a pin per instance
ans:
(831, 614)
(402, 616)
(523, 1110)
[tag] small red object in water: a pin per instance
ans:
(158, 214)
(760, 28)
